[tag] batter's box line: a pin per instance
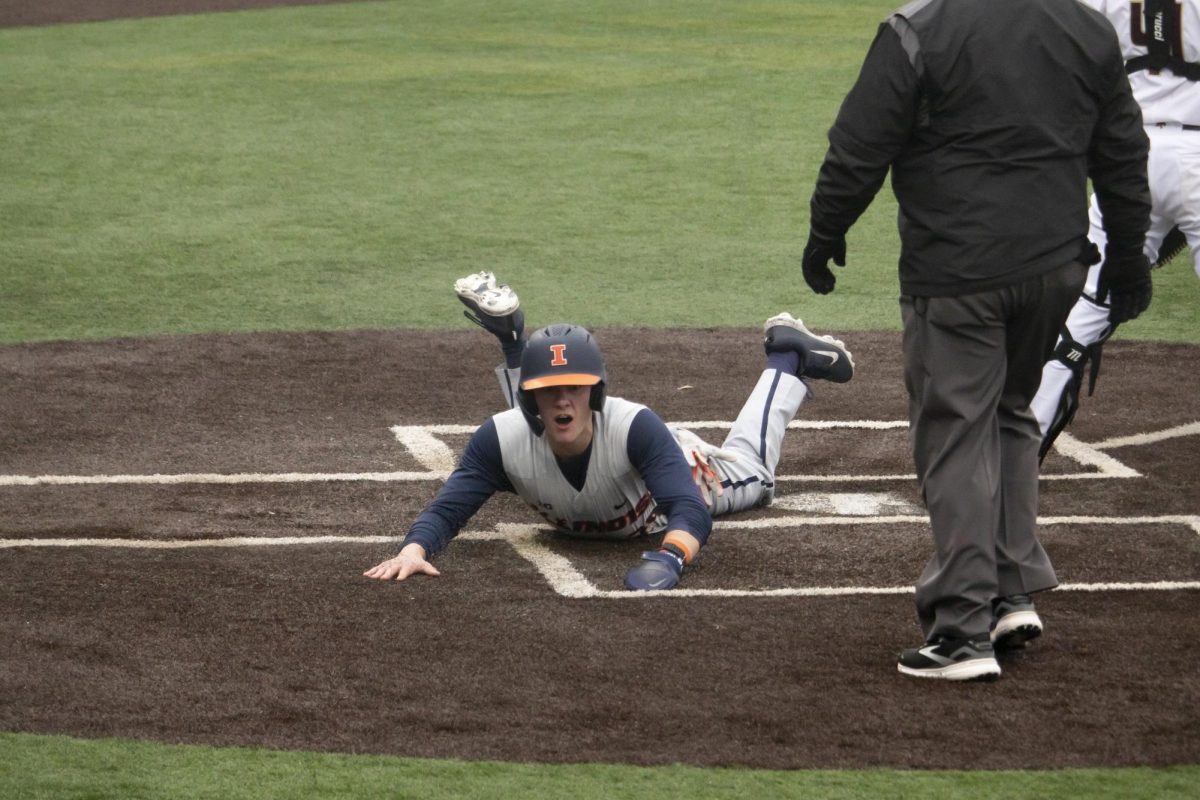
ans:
(435, 455)
(785, 521)
(438, 459)
(567, 581)
(515, 532)
(564, 579)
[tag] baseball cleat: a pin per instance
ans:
(495, 308)
(951, 660)
(1014, 621)
(821, 357)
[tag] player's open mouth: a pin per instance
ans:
(563, 420)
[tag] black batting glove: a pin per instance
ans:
(817, 253)
(1125, 282)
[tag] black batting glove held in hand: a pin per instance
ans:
(1125, 281)
(817, 253)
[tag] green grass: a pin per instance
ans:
(643, 162)
(34, 767)
(638, 162)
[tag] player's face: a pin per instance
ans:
(566, 413)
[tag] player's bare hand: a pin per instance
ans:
(698, 454)
(410, 561)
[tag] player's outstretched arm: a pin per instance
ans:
(410, 561)
(479, 475)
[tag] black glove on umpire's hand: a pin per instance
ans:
(817, 253)
(1125, 281)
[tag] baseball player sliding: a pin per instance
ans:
(1160, 40)
(596, 466)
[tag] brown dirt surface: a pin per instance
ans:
(289, 646)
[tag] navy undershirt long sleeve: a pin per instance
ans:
(480, 474)
(655, 454)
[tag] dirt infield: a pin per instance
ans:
(226, 442)
(184, 522)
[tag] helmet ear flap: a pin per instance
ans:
(529, 408)
(599, 392)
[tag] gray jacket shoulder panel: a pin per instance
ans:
(909, 40)
(911, 9)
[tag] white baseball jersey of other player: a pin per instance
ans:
(1170, 107)
(614, 501)
(1171, 111)
(1163, 96)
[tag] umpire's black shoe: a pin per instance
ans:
(822, 357)
(1014, 621)
(952, 660)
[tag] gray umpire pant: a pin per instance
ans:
(972, 367)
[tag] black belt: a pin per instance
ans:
(1185, 127)
(1191, 127)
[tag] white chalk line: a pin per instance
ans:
(558, 571)
(1188, 429)
(515, 532)
(1091, 456)
(218, 478)
(183, 544)
(529, 541)
(439, 460)
(921, 519)
(840, 591)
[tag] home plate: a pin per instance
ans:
(847, 504)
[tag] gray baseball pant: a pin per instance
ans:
(972, 366)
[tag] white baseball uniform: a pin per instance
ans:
(1170, 107)
(756, 437)
(613, 503)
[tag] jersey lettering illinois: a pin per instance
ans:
(614, 502)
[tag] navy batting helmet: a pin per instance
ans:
(560, 355)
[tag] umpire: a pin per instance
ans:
(992, 116)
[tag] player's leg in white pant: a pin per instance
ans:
(1174, 172)
(1088, 324)
(757, 438)
(1056, 376)
(509, 380)
(1166, 200)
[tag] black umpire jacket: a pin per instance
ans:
(992, 115)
